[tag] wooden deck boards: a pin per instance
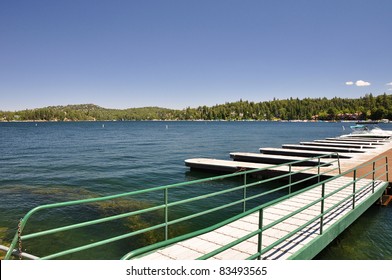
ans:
(205, 243)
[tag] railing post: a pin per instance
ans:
(373, 175)
(340, 170)
(166, 198)
(318, 170)
(354, 184)
(290, 178)
(322, 208)
(244, 195)
(386, 169)
(259, 243)
(15, 240)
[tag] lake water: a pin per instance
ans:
(42, 163)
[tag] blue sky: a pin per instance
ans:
(180, 53)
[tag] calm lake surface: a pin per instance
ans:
(42, 163)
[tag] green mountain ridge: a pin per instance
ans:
(367, 107)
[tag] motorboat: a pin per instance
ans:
(368, 130)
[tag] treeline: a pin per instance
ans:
(87, 112)
(367, 107)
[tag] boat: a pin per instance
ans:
(367, 130)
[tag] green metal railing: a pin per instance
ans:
(317, 219)
(167, 222)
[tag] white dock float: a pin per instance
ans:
(364, 138)
(269, 170)
(348, 158)
(277, 159)
(349, 142)
(198, 246)
(325, 149)
(299, 153)
(223, 165)
(338, 145)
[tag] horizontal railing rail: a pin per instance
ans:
(167, 204)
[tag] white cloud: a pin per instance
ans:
(349, 83)
(389, 84)
(361, 83)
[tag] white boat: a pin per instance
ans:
(362, 129)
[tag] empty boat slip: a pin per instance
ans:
(299, 153)
(339, 153)
(339, 145)
(218, 165)
(277, 159)
(325, 149)
(348, 142)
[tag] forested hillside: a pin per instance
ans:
(367, 107)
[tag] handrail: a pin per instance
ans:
(166, 205)
(17, 254)
(260, 208)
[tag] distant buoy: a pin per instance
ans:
(103, 126)
(343, 128)
(36, 124)
(167, 127)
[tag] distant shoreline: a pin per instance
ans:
(336, 109)
(156, 120)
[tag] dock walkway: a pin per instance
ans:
(314, 233)
(296, 246)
